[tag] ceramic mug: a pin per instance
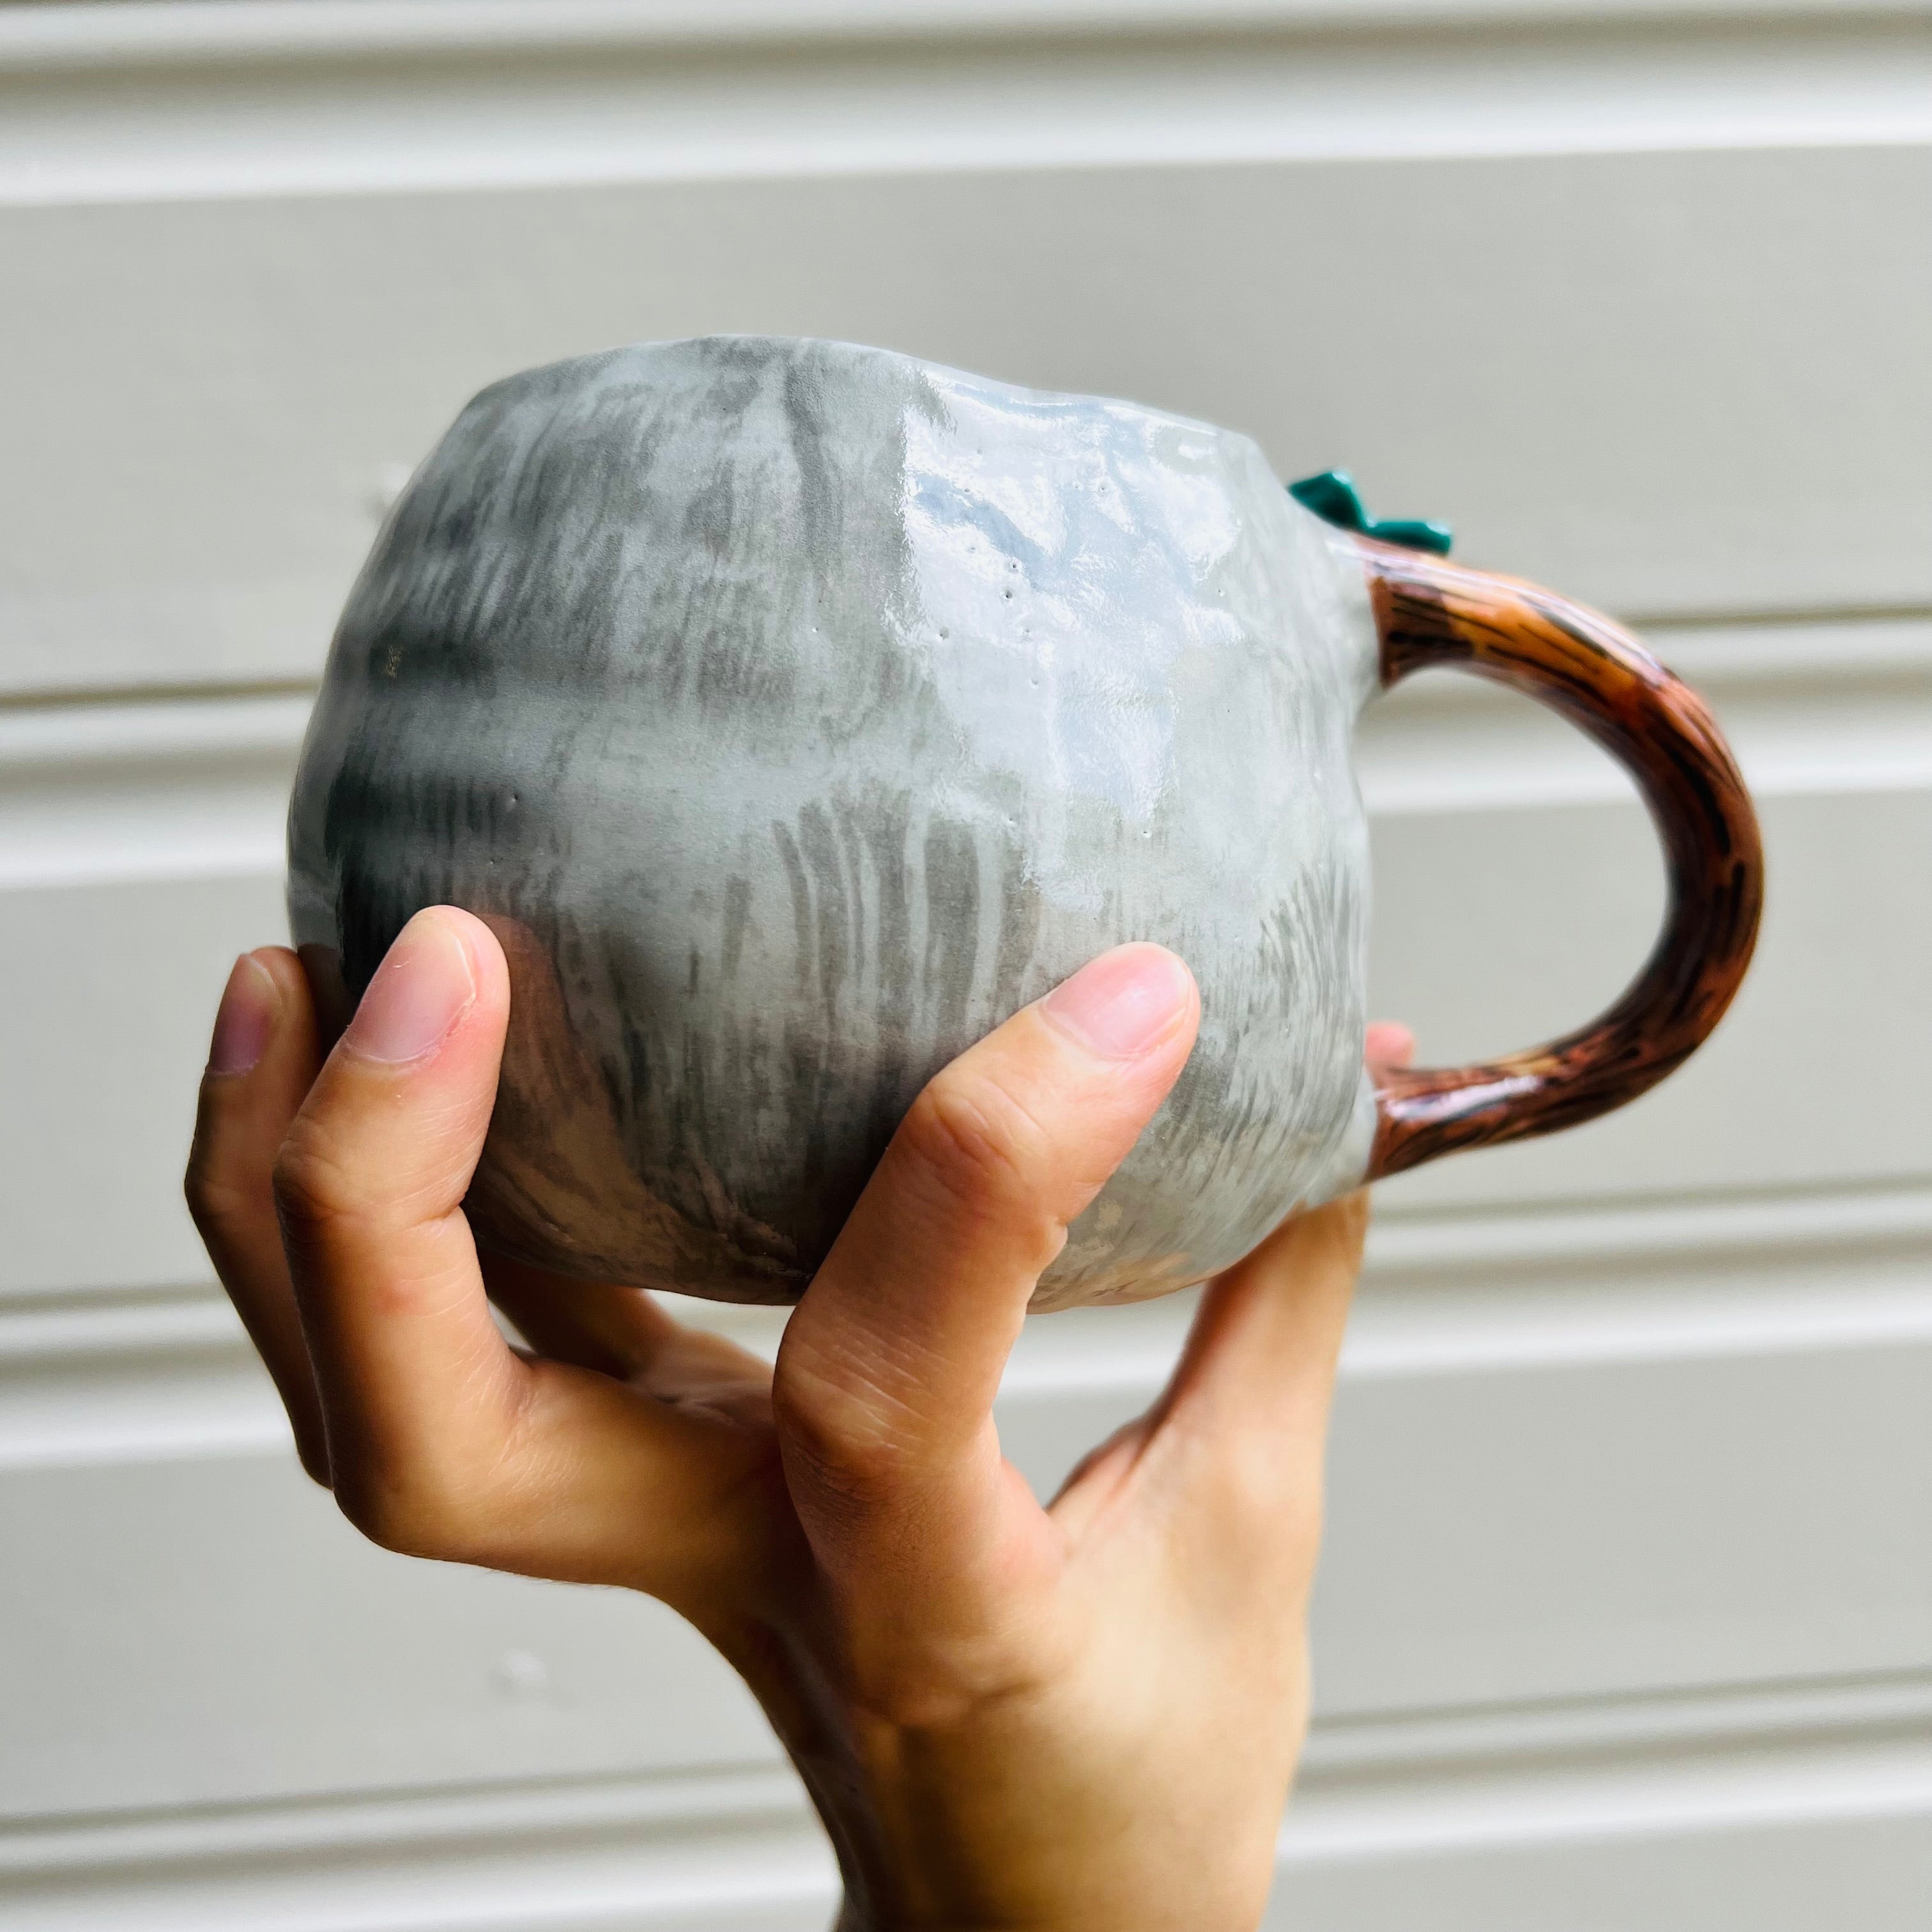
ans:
(795, 711)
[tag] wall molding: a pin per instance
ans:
(1810, 706)
(1618, 1620)
(242, 99)
(90, 1378)
(659, 1851)
(194, 785)
(1804, 1227)
(122, 34)
(1651, 1229)
(1759, 652)
(197, 788)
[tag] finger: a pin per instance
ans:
(887, 1371)
(263, 1057)
(1255, 1382)
(412, 1373)
(1259, 1371)
(617, 1331)
(442, 1441)
(622, 1332)
(1389, 1043)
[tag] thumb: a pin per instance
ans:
(886, 1378)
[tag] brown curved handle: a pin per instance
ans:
(1431, 613)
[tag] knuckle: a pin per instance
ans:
(418, 1512)
(447, 1494)
(313, 1457)
(1274, 1494)
(913, 1683)
(391, 1520)
(976, 1142)
(216, 1200)
(311, 1189)
(843, 1434)
(906, 1693)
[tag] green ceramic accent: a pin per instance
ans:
(1334, 497)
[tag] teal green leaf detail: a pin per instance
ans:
(1334, 497)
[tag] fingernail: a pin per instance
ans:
(1388, 1043)
(423, 987)
(1120, 1004)
(245, 1018)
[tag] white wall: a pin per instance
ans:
(1626, 1617)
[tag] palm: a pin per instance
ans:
(969, 1683)
(629, 1388)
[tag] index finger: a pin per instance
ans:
(1252, 1392)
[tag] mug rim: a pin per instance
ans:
(1023, 391)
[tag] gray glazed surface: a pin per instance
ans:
(795, 711)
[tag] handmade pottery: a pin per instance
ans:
(795, 711)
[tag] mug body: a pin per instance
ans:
(795, 711)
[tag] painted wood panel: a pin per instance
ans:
(1668, 1501)
(1626, 1617)
(1499, 917)
(211, 400)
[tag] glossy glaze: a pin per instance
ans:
(795, 711)
(1429, 612)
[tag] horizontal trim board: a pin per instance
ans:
(573, 116)
(1811, 709)
(1756, 649)
(1580, 1730)
(1405, 1243)
(196, 787)
(52, 729)
(753, 1796)
(40, 737)
(1670, 1799)
(650, 1852)
(236, 437)
(95, 1164)
(99, 1381)
(1766, 655)
(1497, 1539)
(121, 33)
(95, 793)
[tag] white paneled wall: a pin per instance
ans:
(1626, 1620)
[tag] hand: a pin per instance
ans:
(1086, 1715)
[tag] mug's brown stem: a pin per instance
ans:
(1428, 613)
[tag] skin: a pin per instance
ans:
(1085, 1715)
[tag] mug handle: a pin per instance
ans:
(1428, 612)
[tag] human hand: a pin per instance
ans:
(1087, 1715)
